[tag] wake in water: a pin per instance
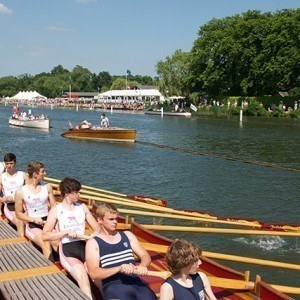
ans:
(264, 243)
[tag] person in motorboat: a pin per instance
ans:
(104, 122)
(10, 181)
(31, 203)
(110, 258)
(85, 125)
(183, 260)
(69, 218)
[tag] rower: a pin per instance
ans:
(69, 218)
(34, 198)
(10, 181)
(183, 260)
(109, 257)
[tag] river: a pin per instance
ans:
(185, 178)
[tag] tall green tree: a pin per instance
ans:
(173, 73)
(248, 54)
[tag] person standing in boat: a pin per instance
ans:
(110, 258)
(69, 218)
(104, 122)
(31, 203)
(10, 181)
(183, 260)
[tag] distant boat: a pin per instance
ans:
(169, 113)
(112, 134)
(36, 123)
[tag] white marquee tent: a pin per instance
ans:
(29, 95)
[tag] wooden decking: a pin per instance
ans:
(26, 274)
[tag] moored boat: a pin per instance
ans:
(36, 123)
(168, 113)
(113, 134)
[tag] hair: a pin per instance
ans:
(34, 167)
(10, 157)
(104, 208)
(103, 115)
(68, 185)
(181, 254)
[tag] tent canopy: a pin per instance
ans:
(29, 95)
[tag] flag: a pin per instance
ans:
(128, 72)
(193, 107)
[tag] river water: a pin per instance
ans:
(185, 179)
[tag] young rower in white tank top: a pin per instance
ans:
(35, 197)
(10, 181)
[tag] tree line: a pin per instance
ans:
(248, 54)
(59, 80)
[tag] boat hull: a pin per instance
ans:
(168, 113)
(40, 124)
(107, 134)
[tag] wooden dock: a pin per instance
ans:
(26, 274)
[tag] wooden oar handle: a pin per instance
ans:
(84, 236)
(161, 274)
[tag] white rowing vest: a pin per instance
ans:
(35, 205)
(10, 184)
(71, 220)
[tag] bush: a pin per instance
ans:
(254, 109)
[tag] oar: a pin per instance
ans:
(219, 230)
(133, 203)
(86, 187)
(173, 216)
(163, 249)
(224, 283)
(232, 284)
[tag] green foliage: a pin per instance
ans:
(255, 109)
(173, 74)
(248, 54)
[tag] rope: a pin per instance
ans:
(197, 152)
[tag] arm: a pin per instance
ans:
(166, 292)
(207, 288)
(26, 178)
(48, 233)
(92, 262)
(19, 209)
(51, 195)
(140, 252)
(90, 219)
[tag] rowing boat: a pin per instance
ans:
(168, 113)
(36, 123)
(226, 282)
(113, 134)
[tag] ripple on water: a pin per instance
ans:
(263, 243)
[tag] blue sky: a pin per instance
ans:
(107, 35)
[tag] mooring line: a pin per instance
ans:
(247, 161)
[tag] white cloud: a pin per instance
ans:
(57, 28)
(4, 9)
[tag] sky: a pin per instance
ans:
(107, 35)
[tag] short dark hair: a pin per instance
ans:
(103, 114)
(181, 254)
(68, 185)
(10, 157)
(34, 167)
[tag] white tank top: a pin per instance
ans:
(71, 220)
(10, 184)
(35, 205)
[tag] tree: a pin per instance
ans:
(249, 54)
(81, 79)
(59, 70)
(173, 73)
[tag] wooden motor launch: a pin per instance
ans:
(111, 134)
